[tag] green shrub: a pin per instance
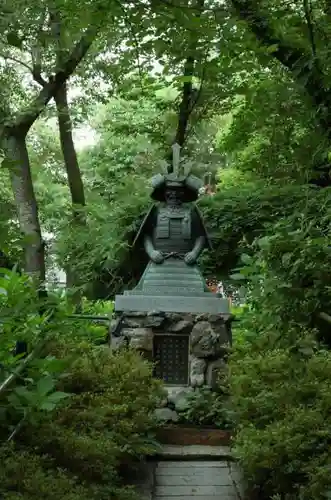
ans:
(207, 408)
(107, 422)
(282, 397)
(279, 370)
(34, 390)
(82, 416)
(25, 475)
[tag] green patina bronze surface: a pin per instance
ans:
(173, 236)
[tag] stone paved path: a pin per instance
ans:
(195, 480)
(190, 473)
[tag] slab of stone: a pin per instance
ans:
(205, 341)
(232, 496)
(129, 322)
(173, 390)
(197, 371)
(237, 478)
(195, 477)
(166, 415)
(168, 465)
(118, 343)
(154, 321)
(140, 338)
(135, 314)
(191, 490)
(195, 451)
(180, 470)
(180, 398)
(208, 304)
(182, 326)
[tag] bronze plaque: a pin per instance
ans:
(171, 358)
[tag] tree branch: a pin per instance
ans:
(187, 103)
(184, 109)
(305, 69)
(26, 119)
(36, 67)
(128, 22)
(18, 61)
(36, 52)
(308, 15)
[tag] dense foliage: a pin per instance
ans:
(208, 408)
(279, 370)
(78, 416)
(258, 126)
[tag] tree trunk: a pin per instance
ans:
(185, 107)
(17, 160)
(13, 142)
(187, 104)
(74, 175)
(68, 150)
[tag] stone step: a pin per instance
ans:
(195, 477)
(174, 276)
(193, 455)
(169, 291)
(175, 263)
(178, 468)
(174, 283)
(190, 490)
(172, 268)
(232, 496)
(183, 471)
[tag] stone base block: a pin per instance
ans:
(194, 343)
(207, 303)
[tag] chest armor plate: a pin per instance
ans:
(173, 223)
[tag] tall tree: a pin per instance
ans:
(300, 41)
(16, 125)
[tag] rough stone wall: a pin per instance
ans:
(209, 339)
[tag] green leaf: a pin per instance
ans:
(237, 277)
(286, 259)
(306, 351)
(23, 393)
(45, 385)
(47, 406)
(246, 259)
(272, 48)
(58, 396)
(264, 242)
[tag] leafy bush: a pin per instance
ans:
(281, 395)
(80, 415)
(25, 475)
(107, 422)
(34, 388)
(279, 370)
(235, 216)
(207, 408)
(288, 267)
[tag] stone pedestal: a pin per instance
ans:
(189, 348)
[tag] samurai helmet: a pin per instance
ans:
(187, 185)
